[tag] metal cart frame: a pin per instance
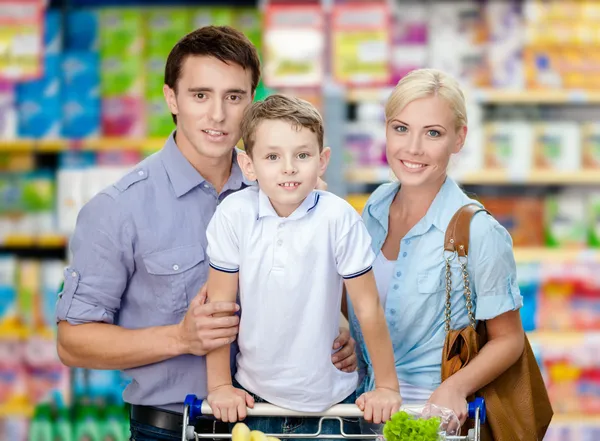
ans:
(194, 408)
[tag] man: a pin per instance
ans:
(129, 300)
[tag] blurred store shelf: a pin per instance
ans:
(493, 96)
(34, 241)
(562, 337)
(100, 144)
(522, 254)
(380, 174)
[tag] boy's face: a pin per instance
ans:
(210, 102)
(286, 163)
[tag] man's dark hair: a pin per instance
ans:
(221, 42)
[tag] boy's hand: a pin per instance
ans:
(229, 404)
(379, 405)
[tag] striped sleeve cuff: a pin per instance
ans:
(223, 269)
(358, 274)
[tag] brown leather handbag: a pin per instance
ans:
(517, 403)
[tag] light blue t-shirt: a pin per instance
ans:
(414, 307)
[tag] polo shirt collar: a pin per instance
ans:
(265, 208)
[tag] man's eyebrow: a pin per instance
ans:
(210, 89)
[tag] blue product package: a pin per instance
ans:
(46, 87)
(81, 118)
(53, 40)
(76, 159)
(81, 73)
(82, 31)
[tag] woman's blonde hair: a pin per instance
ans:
(422, 83)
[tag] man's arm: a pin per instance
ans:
(107, 346)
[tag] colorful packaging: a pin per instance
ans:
(565, 218)
(557, 146)
(28, 292)
(160, 120)
(8, 294)
(164, 28)
(521, 217)
(82, 31)
(507, 147)
(122, 76)
(121, 33)
(8, 112)
(593, 206)
(81, 98)
(39, 103)
(53, 41)
(124, 116)
(590, 146)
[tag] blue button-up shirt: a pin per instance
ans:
(138, 259)
(414, 306)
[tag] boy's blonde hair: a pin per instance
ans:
(296, 111)
(422, 83)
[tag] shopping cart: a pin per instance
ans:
(194, 408)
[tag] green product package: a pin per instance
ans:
(594, 220)
(164, 28)
(122, 76)
(40, 428)
(565, 222)
(63, 430)
(121, 32)
(87, 424)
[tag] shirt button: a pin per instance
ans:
(407, 241)
(398, 274)
(206, 186)
(141, 173)
(404, 254)
(392, 311)
(73, 274)
(176, 267)
(280, 242)
(396, 286)
(280, 226)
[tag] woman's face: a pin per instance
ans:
(420, 140)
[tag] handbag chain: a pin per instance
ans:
(465, 274)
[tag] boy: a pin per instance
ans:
(290, 248)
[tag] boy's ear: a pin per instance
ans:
(245, 163)
(324, 160)
(171, 99)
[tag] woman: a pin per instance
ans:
(426, 123)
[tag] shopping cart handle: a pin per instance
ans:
(198, 407)
(477, 403)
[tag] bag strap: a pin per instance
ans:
(456, 244)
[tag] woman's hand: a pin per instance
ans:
(449, 397)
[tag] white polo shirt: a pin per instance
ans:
(291, 273)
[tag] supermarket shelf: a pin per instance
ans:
(379, 174)
(548, 255)
(493, 96)
(563, 337)
(497, 96)
(100, 144)
(46, 241)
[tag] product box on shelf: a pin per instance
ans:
(83, 30)
(557, 146)
(590, 146)
(39, 103)
(53, 37)
(565, 218)
(8, 111)
(164, 28)
(121, 33)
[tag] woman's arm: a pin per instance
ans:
(506, 341)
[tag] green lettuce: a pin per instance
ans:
(405, 427)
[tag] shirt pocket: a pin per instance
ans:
(433, 280)
(169, 270)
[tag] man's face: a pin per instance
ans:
(210, 102)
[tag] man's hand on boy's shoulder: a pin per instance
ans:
(229, 403)
(345, 359)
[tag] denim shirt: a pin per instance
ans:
(414, 306)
